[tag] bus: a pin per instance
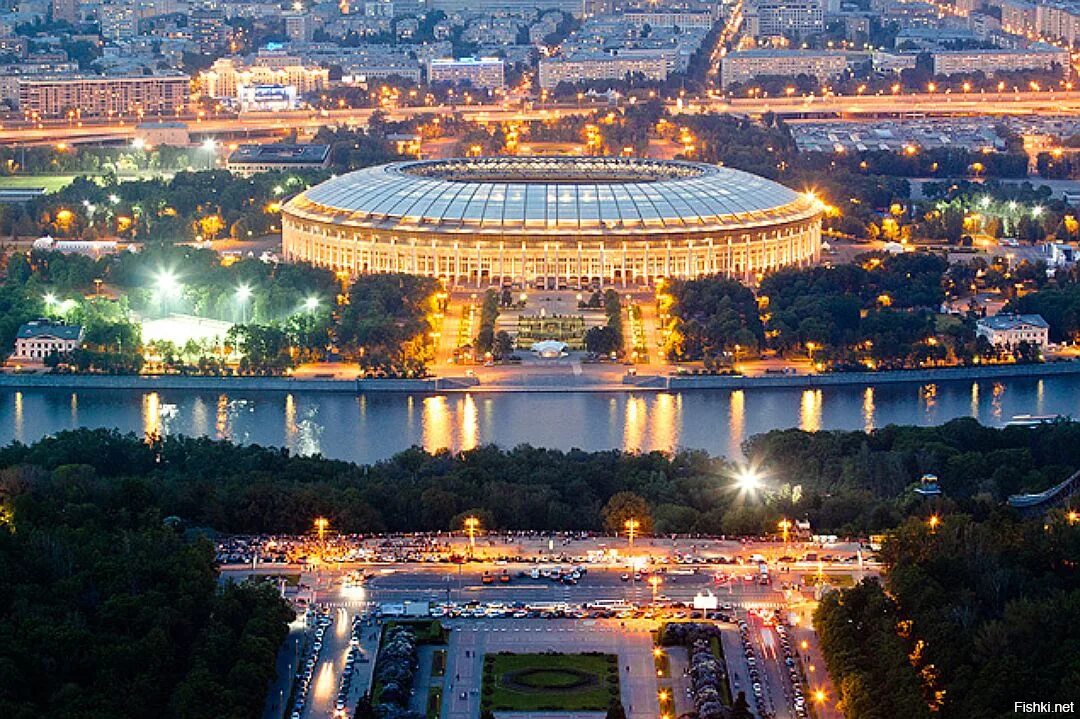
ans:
(612, 604)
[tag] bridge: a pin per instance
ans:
(1030, 505)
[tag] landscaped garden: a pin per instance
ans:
(550, 682)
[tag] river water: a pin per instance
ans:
(373, 427)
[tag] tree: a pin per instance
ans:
(622, 507)
(616, 711)
(740, 709)
(503, 345)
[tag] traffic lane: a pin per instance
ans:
(779, 680)
(326, 678)
(594, 584)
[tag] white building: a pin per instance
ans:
(1036, 57)
(483, 72)
(1008, 331)
(38, 339)
(767, 18)
(744, 65)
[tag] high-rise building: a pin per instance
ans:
(117, 20)
(484, 72)
(208, 28)
(766, 18)
(65, 10)
(299, 27)
(135, 95)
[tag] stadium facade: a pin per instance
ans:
(552, 222)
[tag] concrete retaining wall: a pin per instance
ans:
(839, 379)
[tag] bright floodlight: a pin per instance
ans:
(311, 304)
(748, 480)
(243, 293)
(138, 143)
(166, 282)
(209, 144)
(50, 299)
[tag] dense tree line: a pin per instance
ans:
(712, 318)
(962, 630)
(109, 608)
(844, 482)
(386, 325)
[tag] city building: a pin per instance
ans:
(104, 96)
(65, 10)
(155, 134)
(1008, 331)
(1035, 57)
(299, 26)
(227, 75)
(485, 72)
(266, 98)
(38, 339)
(744, 65)
(249, 160)
(669, 18)
(504, 220)
(769, 18)
(651, 65)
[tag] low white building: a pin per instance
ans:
(38, 339)
(1008, 331)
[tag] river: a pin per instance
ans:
(373, 427)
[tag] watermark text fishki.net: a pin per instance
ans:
(1044, 707)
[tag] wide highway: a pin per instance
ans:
(851, 107)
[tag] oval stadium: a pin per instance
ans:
(552, 222)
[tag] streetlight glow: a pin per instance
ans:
(748, 480)
(311, 304)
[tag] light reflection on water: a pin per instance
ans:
(373, 427)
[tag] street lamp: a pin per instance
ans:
(472, 524)
(934, 521)
(819, 696)
(748, 480)
(167, 286)
(321, 523)
(784, 525)
(1073, 517)
(243, 294)
(210, 145)
(632, 525)
(311, 304)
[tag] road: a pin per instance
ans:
(938, 104)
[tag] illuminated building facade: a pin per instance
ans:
(552, 222)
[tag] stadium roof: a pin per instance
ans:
(498, 194)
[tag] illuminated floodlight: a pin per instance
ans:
(50, 299)
(748, 480)
(166, 282)
(209, 144)
(311, 304)
(243, 293)
(138, 143)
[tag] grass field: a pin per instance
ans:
(51, 183)
(550, 682)
(55, 183)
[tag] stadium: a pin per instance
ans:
(552, 222)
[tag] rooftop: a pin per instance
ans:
(281, 154)
(1011, 322)
(546, 193)
(44, 328)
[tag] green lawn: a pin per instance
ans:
(550, 682)
(51, 183)
(434, 702)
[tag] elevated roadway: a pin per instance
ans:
(262, 125)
